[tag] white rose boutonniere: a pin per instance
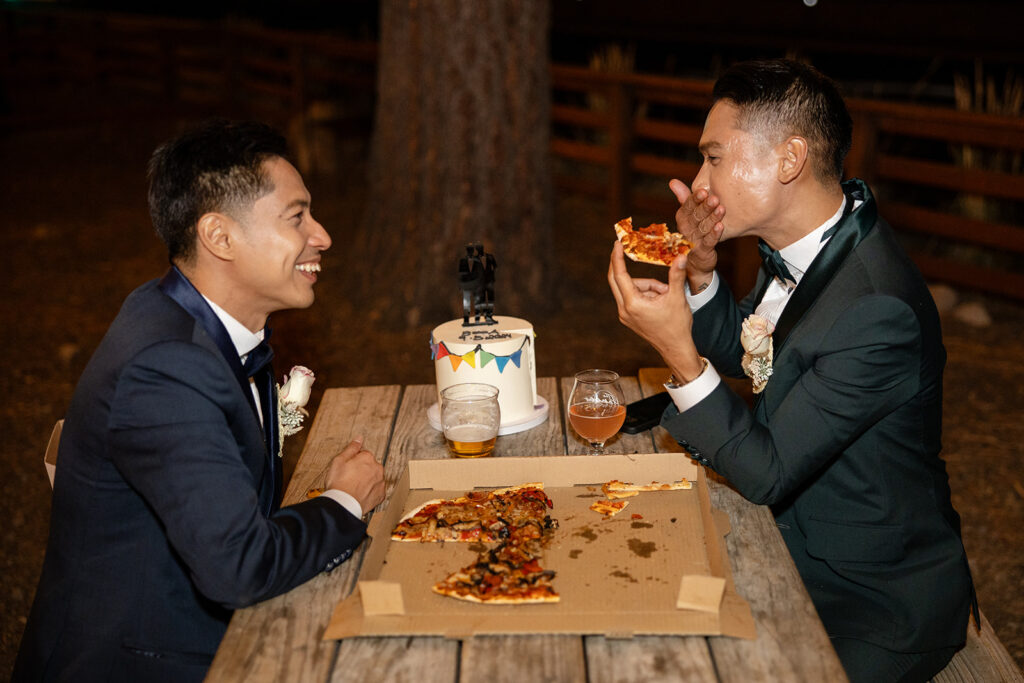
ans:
(292, 397)
(756, 339)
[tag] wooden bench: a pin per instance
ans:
(982, 659)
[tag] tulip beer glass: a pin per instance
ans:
(470, 418)
(596, 407)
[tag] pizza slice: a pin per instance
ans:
(653, 244)
(509, 574)
(623, 489)
(486, 516)
(609, 508)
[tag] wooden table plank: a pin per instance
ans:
(541, 657)
(359, 658)
(649, 659)
(643, 658)
(281, 639)
(766, 577)
(396, 660)
(515, 659)
(343, 415)
(362, 659)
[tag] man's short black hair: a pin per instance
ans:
(778, 98)
(217, 166)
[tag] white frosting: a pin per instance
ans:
(517, 386)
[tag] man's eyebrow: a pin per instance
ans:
(706, 147)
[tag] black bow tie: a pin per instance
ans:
(773, 262)
(258, 358)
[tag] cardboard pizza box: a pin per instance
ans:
(664, 572)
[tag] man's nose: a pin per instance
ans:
(318, 236)
(700, 181)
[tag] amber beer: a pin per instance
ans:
(470, 441)
(597, 422)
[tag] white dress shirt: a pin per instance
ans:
(245, 341)
(798, 257)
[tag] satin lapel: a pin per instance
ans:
(824, 267)
(177, 286)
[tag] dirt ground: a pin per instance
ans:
(75, 239)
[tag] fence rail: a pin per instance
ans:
(951, 182)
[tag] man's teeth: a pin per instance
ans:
(308, 267)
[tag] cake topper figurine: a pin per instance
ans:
(476, 280)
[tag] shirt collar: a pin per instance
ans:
(243, 339)
(799, 255)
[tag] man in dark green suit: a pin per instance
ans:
(842, 342)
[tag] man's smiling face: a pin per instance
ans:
(278, 252)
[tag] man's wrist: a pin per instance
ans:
(699, 283)
(684, 374)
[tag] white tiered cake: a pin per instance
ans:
(500, 353)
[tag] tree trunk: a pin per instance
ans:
(460, 154)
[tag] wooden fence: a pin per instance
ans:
(951, 182)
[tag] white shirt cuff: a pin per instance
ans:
(693, 392)
(699, 299)
(346, 501)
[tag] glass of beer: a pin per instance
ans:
(470, 418)
(596, 407)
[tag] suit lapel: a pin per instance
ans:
(175, 285)
(825, 265)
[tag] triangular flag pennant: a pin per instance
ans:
(470, 358)
(456, 360)
(485, 358)
(433, 351)
(442, 351)
(502, 361)
(517, 357)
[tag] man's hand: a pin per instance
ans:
(699, 219)
(355, 472)
(658, 312)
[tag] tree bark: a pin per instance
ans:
(460, 154)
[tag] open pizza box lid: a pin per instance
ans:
(664, 572)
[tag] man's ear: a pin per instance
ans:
(793, 159)
(217, 233)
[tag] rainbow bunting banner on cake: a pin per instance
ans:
(439, 350)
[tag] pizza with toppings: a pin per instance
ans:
(623, 489)
(515, 518)
(507, 574)
(653, 244)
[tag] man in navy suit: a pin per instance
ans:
(844, 437)
(166, 504)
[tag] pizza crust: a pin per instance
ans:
(498, 599)
(624, 489)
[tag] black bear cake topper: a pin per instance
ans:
(476, 280)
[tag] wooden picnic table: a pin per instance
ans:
(281, 639)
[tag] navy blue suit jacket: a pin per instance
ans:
(163, 517)
(844, 440)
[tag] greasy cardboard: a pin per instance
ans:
(620, 576)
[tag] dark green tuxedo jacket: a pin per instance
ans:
(844, 440)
